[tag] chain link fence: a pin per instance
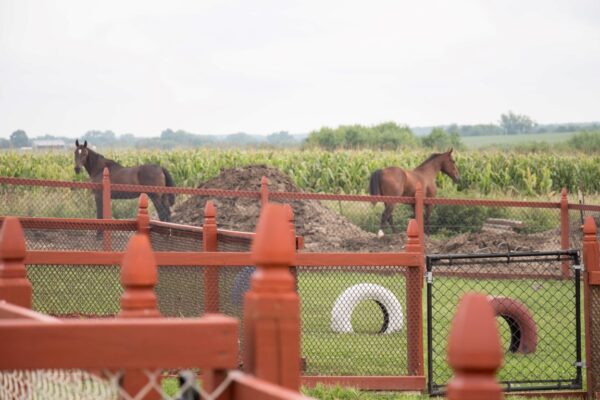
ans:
(355, 320)
(538, 310)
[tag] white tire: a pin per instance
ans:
(341, 314)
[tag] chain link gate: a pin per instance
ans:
(538, 297)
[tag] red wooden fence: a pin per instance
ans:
(141, 340)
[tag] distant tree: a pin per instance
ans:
(4, 143)
(282, 138)
(240, 138)
(439, 139)
(513, 123)
(19, 139)
(388, 135)
(127, 139)
(100, 138)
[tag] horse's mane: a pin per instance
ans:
(95, 158)
(431, 157)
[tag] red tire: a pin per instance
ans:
(523, 330)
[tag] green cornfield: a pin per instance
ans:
(484, 173)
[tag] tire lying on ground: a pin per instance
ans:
(523, 330)
(341, 313)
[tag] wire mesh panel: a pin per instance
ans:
(40, 201)
(75, 290)
(536, 297)
(172, 238)
(354, 320)
(180, 291)
(473, 228)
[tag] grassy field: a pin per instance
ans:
(478, 142)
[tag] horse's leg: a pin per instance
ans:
(157, 201)
(386, 216)
(165, 201)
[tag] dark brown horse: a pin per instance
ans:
(394, 181)
(147, 174)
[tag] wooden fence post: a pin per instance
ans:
(414, 296)
(264, 191)
(564, 230)
(271, 306)
(474, 351)
(419, 212)
(591, 304)
(143, 218)
(138, 277)
(211, 274)
(290, 213)
(15, 288)
(106, 209)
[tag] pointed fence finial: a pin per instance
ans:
(15, 288)
(138, 277)
(474, 350)
(412, 233)
(271, 245)
(143, 218)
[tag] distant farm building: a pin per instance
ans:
(49, 144)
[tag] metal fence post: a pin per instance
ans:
(591, 278)
(211, 274)
(414, 307)
(106, 208)
(139, 275)
(474, 351)
(271, 306)
(564, 230)
(15, 288)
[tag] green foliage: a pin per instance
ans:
(340, 171)
(586, 141)
(19, 139)
(449, 220)
(516, 123)
(440, 140)
(388, 135)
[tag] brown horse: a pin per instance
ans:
(394, 181)
(148, 174)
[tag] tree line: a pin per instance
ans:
(385, 136)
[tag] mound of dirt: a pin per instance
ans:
(322, 228)
(496, 242)
(326, 230)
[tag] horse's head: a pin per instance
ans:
(449, 166)
(81, 155)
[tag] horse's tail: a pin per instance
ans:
(169, 182)
(374, 184)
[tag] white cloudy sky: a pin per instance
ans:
(220, 67)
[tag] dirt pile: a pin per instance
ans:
(326, 230)
(322, 228)
(496, 242)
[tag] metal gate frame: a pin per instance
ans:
(571, 256)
